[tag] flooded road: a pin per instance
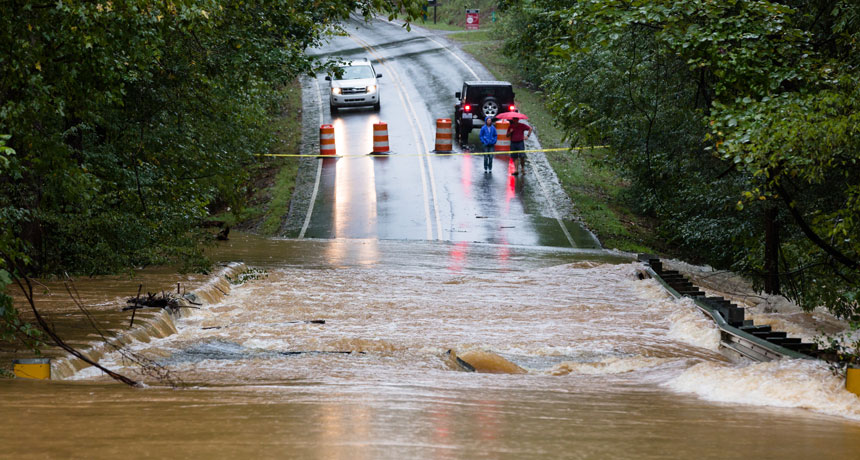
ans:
(597, 420)
(347, 347)
(612, 364)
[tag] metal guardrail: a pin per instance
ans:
(733, 341)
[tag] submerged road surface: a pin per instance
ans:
(412, 193)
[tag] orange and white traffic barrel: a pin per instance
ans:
(327, 140)
(380, 137)
(444, 141)
(503, 144)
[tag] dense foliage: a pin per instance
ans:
(123, 120)
(735, 121)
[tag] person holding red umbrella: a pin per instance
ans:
(517, 132)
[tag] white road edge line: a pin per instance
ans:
(319, 169)
(415, 134)
(446, 48)
(455, 56)
(554, 211)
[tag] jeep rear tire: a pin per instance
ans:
(489, 107)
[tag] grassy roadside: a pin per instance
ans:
(597, 192)
(272, 179)
(288, 124)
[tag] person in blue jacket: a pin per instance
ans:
(488, 138)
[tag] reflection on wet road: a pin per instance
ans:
(410, 194)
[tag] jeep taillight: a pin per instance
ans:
(512, 108)
(467, 108)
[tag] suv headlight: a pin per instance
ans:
(335, 90)
(371, 88)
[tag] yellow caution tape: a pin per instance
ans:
(434, 154)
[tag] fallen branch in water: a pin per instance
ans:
(165, 300)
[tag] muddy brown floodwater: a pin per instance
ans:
(614, 368)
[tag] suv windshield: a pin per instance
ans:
(357, 72)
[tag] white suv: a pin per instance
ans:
(356, 87)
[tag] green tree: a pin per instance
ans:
(12, 328)
(734, 121)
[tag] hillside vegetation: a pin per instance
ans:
(734, 123)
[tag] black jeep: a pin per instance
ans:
(478, 100)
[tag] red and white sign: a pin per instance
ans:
(473, 21)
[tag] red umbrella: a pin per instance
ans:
(512, 115)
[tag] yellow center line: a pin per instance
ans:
(416, 132)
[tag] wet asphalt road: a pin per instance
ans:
(411, 193)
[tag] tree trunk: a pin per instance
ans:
(771, 251)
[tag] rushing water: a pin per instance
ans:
(614, 368)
